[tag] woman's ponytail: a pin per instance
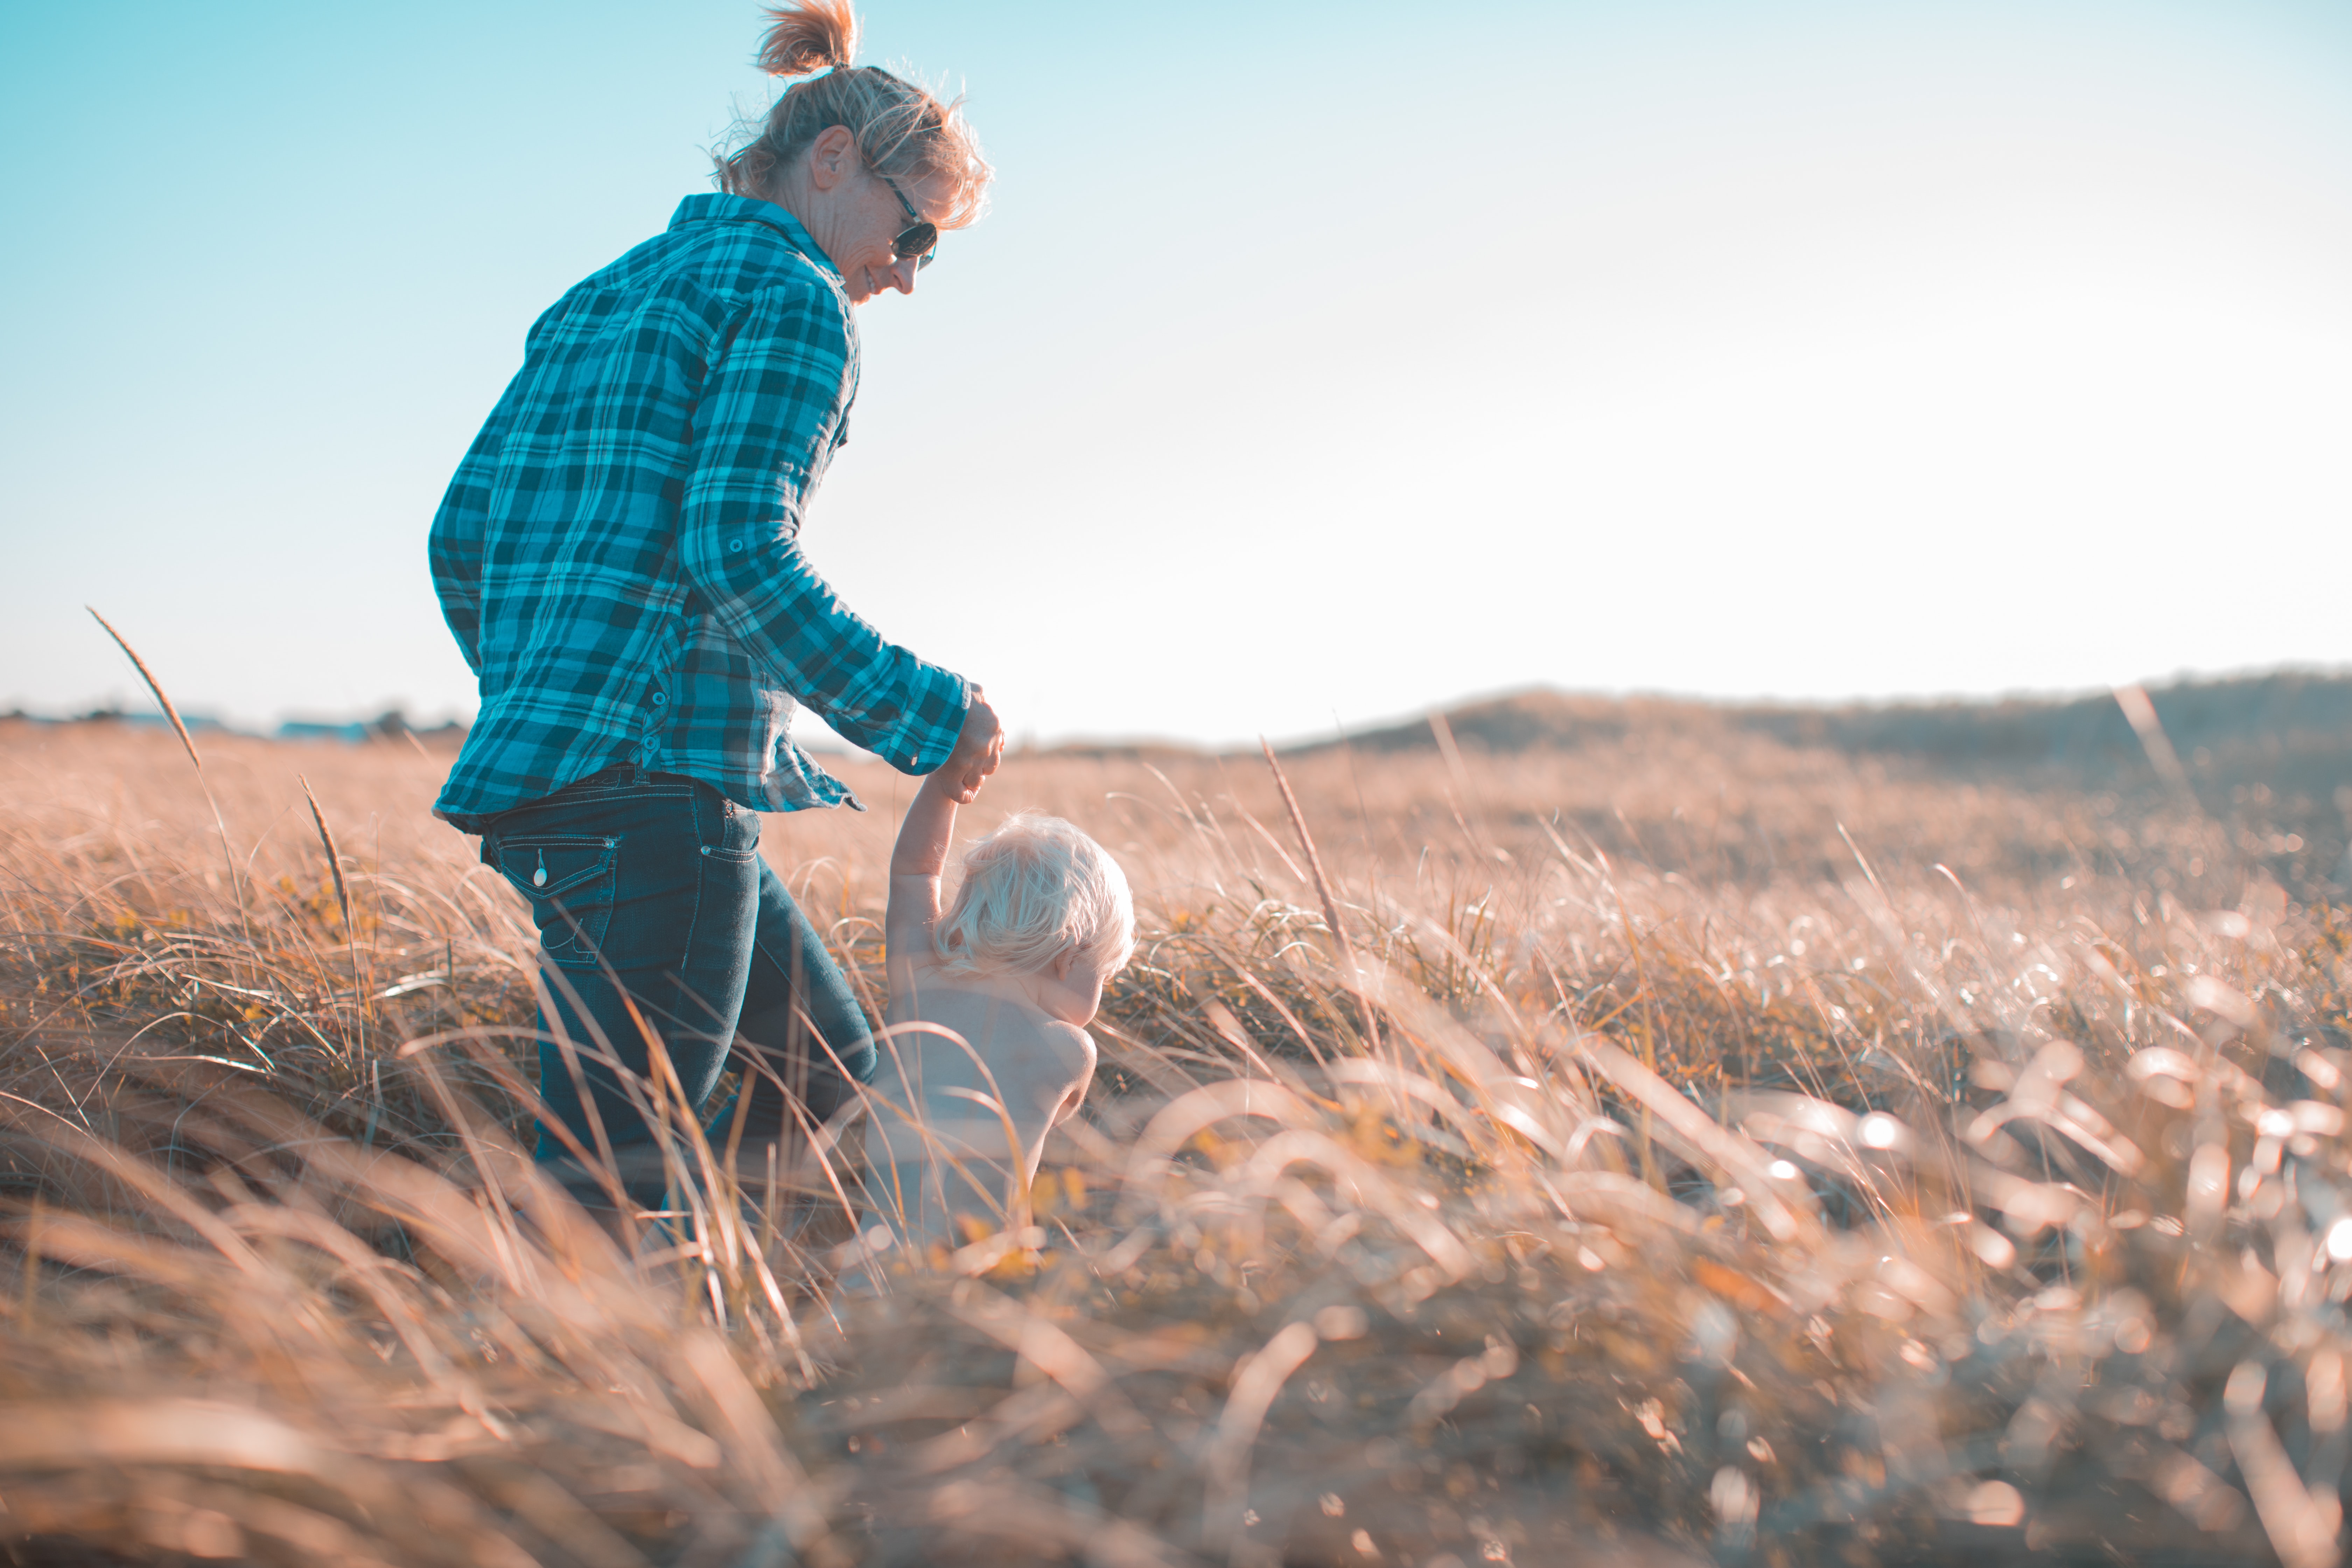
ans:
(902, 129)
(809, 37)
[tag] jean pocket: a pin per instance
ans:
(571, 880)
(726, 908)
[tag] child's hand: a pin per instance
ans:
(978, 747)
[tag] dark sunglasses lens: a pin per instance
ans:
(920, 240)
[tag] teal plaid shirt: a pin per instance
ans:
(619, 553)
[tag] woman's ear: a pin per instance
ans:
(832, 157)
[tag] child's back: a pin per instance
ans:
(986, 1048)
(955, 1054)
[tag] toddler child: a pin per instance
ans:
(987, 1048)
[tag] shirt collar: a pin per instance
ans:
(718, 207)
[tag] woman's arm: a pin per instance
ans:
(770, 414)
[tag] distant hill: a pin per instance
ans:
(2289, 733)
(2268, 757)
(2291, 730)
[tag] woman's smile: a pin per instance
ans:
(868, 235)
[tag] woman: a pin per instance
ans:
(618, 556)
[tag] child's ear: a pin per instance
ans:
(1064, 963)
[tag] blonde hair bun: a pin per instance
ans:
(809, 37)
(902, 129)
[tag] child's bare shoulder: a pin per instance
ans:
(1039, 1047)
(1058, 1061)
(1031, 1032)
(1071, 1043)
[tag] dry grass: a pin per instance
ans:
(1715, 1155)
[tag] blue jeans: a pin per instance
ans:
(655, 881)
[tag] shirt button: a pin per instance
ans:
(733, 545)
(660, 697)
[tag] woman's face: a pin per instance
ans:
(856, 215)
(872, 263)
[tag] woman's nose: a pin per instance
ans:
(902, 273)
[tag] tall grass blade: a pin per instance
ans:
(342, 901)
(334, 860)
(1355, 978)
(161, 696)
(2134, 701)
(228, 854)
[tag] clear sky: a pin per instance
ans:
(1317, 362)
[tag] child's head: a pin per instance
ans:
(1038, 898)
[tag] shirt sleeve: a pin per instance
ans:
(454, 548)
(773, 405)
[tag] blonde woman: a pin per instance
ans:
(619, 558)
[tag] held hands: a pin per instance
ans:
(978, 747)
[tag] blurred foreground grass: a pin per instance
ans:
(1734, 1155)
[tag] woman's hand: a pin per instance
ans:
(978, 747)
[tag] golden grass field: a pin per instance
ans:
(1686, 1149)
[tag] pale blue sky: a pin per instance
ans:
(1314, 363)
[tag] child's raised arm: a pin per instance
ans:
(922, 852)
(916, 863)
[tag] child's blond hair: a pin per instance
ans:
(1032, 890)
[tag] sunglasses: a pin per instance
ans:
(919, 238)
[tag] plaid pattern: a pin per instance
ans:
(619, 556)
